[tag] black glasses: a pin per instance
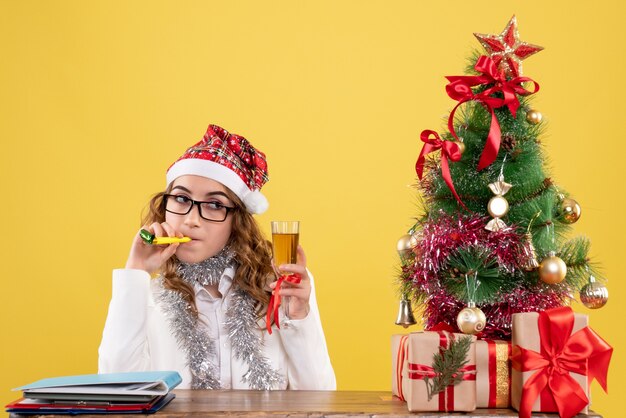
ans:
(213, 211)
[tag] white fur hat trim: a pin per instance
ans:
(254, 200)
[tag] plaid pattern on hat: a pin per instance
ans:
(229, 159)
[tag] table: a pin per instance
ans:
(300, 404)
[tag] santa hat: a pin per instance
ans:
(229, 159)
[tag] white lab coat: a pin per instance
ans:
(137, 337)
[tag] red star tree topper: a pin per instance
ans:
(506, 50)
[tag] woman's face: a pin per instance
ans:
(207, 237)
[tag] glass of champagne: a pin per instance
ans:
(285, 236)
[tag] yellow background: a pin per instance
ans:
(99, 97)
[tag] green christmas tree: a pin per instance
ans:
(495, 223)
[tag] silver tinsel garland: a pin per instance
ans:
(208, 271)
(192, 338)
(241, 324)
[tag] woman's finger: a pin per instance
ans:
(303, 285)
(157, 229)
(138, 239)
(293, 291)
(301, 256)
(294, 268)
(168, 229)
(169, 251)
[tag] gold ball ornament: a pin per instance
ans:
(497, 207)
(594, 295)
(471, 320)
(534, 117)
(552, 269)
(569, 211)
(405, 246)
(461, 146)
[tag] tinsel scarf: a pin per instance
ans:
(208, 271)
(241, 325)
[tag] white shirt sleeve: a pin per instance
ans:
(308, 362)
(124, 346)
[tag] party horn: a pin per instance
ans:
(149, 238)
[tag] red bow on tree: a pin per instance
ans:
(584, 353)
(460, 88)
(449, 150)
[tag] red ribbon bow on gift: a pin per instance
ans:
(449, 150)
(275, 300)
(460, 88)
(420, 371)
(584, 353)
(442, 326)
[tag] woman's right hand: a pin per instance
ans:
(151, 257)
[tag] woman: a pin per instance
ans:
(203, 314)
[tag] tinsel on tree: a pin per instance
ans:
(495, 224)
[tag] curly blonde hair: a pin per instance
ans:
(253, 254)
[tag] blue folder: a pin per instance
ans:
(135, 386)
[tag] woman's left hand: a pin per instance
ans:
(298, 293)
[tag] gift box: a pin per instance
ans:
(555, 356)
(399, 345)
(493, 374)
(417, 378)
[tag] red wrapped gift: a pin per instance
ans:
(555, 356)
(414, 372)
(493, 374)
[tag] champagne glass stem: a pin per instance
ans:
(285, 303)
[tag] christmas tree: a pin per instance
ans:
(492, 239)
